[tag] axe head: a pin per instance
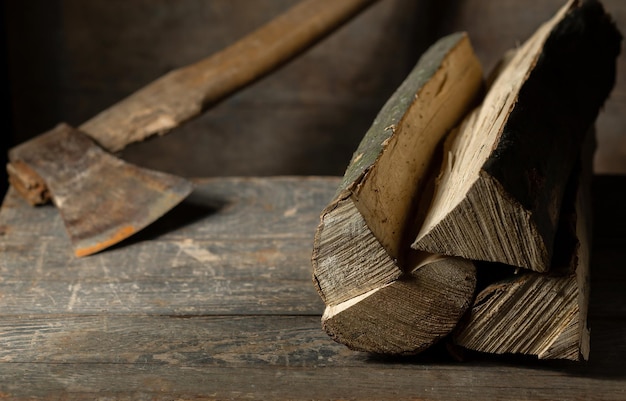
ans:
(102, 199)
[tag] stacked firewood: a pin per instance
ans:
(464, 214)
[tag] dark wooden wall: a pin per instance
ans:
(68, 59)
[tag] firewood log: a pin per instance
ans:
(360, 250)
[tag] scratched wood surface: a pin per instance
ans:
(215, 301)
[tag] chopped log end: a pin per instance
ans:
(406, 316)
(568, 344)
(544, 314)
(347, 259)
(532, 315)
(361, 237)
(360, 244)
(486, 217)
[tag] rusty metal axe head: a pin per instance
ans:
(102, 199)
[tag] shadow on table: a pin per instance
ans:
(194, 208)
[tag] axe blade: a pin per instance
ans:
(102, 199)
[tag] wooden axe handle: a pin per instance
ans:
(185, 92)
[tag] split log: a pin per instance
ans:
(360, 246)
(537, 313)
(407, 315)
(501, 185)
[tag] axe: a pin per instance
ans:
(103, 199)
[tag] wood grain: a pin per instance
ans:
(228, 347)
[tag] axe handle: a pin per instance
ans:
(185, 92)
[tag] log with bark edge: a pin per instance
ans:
(501, 184)
(543, 314)
(360, 249)
(407, 315)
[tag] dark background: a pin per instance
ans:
(68, 59)
(6, 133)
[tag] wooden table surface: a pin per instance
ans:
(215, 301)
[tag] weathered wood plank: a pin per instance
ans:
(279, 357)
(276, 259)
(237, 315)
(161, 277)
(236, 246)
(372, 380)
(262, 282)
(264, 275)
(236, 341)
(188, 341)
(170, 297)
(229, 208)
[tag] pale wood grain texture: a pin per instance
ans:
(216, 302)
